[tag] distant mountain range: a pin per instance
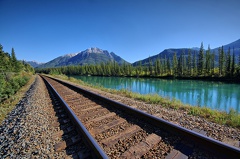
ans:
(34, 63)
(97, 56)
(168, 53)
(89, 56)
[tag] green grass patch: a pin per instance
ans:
(230, 119)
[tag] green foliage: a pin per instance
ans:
(13, 74)
(192, 64)
(201, 60)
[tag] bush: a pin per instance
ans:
(10, 85)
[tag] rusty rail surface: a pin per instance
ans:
(214, 147)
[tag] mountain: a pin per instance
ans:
(34, 63)
(235, 45)
(89, 56)
(168, 53)
(57, 62)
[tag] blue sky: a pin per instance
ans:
(42, 30)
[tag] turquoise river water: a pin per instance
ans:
(215, 95)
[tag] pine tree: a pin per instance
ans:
(189, 63)
(150, 66)
(175, 64)
(180, 65)
(228, 63)
(201, 60)
(212, 63)
(158, 67)
(168, 66)
(195, 68)
(184, 64)
(208, 61)
(221, 60)
(164, 65)
(233, 64)
(155, 68)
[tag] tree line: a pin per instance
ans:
(189, 64)
(13, 73)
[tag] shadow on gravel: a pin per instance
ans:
(68, 139)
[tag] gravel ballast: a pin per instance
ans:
(27, 132)
(180, 117)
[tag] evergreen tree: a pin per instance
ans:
(180, 65)
(201, 60)
(155, 68)
(14, 62)
(233, 64)
(195, 68)
(158, 67)
(175, 64)
(221, 60)
(228, 63)
(208, 61)
(184, 64)
(146, 69)
(189, 63)
(13, 55)
(150, 66)
(212, 63)
(168, 66)
(139, 68)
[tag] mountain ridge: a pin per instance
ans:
(91, 55)
(168, 53)
(95, 55)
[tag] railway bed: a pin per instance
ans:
(115, 130)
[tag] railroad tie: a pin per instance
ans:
(108, 126)
(142, 148)
(89, 122)
(91, 114)
(175, 154)
(95, 106)
(127, 133)
(181, 151)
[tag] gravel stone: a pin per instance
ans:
(179, 117)
(26, 131)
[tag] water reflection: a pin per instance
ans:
(215, 95)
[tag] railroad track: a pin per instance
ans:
(114, 130)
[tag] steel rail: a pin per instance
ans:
(219, 148)
(99, 153)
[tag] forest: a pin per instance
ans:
(201, 64)
(13, 74)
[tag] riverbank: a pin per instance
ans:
(186, 116)
(197, 78)
(231, 119)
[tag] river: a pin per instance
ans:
(215, 95)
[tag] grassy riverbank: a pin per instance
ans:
(231, 119)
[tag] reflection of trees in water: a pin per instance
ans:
(214, 95)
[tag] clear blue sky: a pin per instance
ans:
(42, 30)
